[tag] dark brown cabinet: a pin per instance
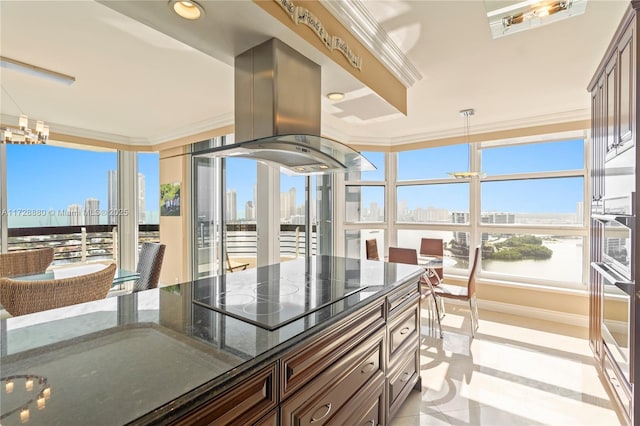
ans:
(614, 308)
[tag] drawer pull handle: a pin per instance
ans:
(405, 376)
(371, 422)
(405, 330)
(326, 413)
(369, 367)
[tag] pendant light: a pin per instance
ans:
(468, 174)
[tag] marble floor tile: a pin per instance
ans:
(516, 371)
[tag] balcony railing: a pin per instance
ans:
(76, 243)
(99, 242)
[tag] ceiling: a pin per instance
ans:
(138, 85)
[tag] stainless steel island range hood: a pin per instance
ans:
(277, 114)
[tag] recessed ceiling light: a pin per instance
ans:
(335, 96)
(187, 9)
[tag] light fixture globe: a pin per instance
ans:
(187, 9)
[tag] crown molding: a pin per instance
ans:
(479, 131)
(355, 16)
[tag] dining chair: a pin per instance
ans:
(433, 247)
(468, 293)
(20, 297)
(410, 256)
(25, 262)
(371, 247)
(149, 266)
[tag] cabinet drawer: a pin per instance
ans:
(303, 364)
(404, 328)
(367, 407)
(270, 419)
(401, 380)
(401, 297)
(319, 401)
(245, 403)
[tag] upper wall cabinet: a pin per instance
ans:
(625, 123)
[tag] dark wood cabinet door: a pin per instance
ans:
(625, 117)
(401, 380)
(244, 403)
(610, 102)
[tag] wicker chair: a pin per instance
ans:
(149, 265)
(25, 297)
(27, 262)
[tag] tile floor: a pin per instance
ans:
(517, 371)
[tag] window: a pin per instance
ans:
(292, 216)
(355, 245)
(541, 257)
(49, 187)
(364, 203)
(432, 163)
(535, 157)
(53, 186)
(148, 188)
(528, 213)
(365, 208)
(552, 201)
(455, 243)
(434, 203)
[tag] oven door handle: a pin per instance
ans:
(627, 286)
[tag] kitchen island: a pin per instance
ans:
(314, 340)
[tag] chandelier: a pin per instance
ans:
(25, 135)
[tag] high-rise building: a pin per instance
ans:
(91, 211)
(232, 208)
(249, 211)
(288, 204)
(112, 196)
(141, 199)
(74, 213)
(461, 237)
(499, 218)
(292, 202)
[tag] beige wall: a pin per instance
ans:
(174, 230)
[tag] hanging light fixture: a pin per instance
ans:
(23, 134)
(466, 113)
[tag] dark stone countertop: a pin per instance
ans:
(146, 356)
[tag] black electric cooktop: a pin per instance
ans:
(276, 295)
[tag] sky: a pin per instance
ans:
(49, 177)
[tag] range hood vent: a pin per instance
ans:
(277, 114)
